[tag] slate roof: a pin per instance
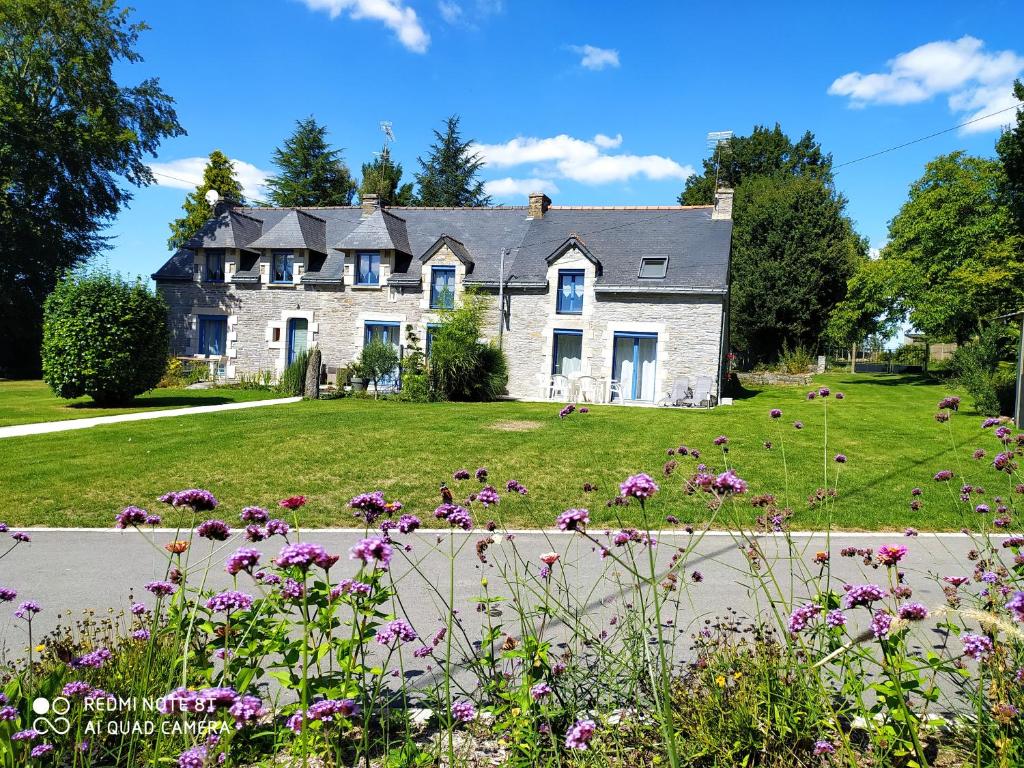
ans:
(234, 229)
(297, 229)
(455, 246)
(696, 246)
(381, 230)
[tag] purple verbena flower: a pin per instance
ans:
(862, 594)
(245, 559)
(229, 602)
(375, 548)
(579, 734)
(397, 630)
(196, 498)
(463, 711)
(978, 647)
(214, 530)
(802, 616)
(913, 611)
(573, 519)
(255, 515)
(640, 486)
(130, 516)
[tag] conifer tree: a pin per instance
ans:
(219, 175)
(311, 171)
(448, 176)
(383, 178)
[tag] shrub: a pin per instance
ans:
(376, 360)
(461, 367)
(104, 337)
(797, 360)
(975, 365)
(415, 387)
(293, 380)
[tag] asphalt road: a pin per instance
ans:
(68, 571)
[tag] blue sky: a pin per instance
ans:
(594, 103)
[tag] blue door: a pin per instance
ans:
(298, 337)
(388, 333)
(634, 364)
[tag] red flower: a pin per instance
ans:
(292, 502)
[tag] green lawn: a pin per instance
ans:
(28, 402)
(331, 450)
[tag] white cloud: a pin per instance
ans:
(510, 187)
(596, 58)
(976, 82)
(394, 14)
(469, 13)
(450, 12)
(187, 173)
(608, 142)
(586, 162)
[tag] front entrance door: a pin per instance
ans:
(298, 337)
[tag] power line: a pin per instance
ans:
(929, 136)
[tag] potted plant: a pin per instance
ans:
(357, 380)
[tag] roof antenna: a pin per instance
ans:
(716, 141)
(386, 129)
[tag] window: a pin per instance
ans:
(570, 292)
(653, 267)
(282, 267)
(213, 334)
(567, 353)
(215, 266)
(389, 334)
(368, 268)
(431, 330)
(442, 287)
(634, 365)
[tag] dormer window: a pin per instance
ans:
(442, 287)
(214, 267)
(282, 267)
(570, 292)
(368, 268)
(653, 267)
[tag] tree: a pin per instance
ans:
(448, 176)
(377, 359)
(104, 337)
(793, 251)
(383, 178)
(460, 366)
(793, 246)
(952, 259)
(1011, 154)
(72, 143)
(765, 152)
(311, 171)
(218, 175)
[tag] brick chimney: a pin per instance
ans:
(723, 204)
(369, 203)
(539, 203)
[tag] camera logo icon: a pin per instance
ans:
(50, 715)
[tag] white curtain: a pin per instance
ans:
(624, 367)
(568, 353)
(648, 363)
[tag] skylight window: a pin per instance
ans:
(653, 267)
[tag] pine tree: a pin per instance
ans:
(311, 171)
(383, 178)
(219, 175)
(447, 177)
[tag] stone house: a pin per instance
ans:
(635, 297)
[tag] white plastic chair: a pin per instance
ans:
(614, 391)
(559, 387)
(587, 389)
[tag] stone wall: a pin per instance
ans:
(772, 378)
(689, 327)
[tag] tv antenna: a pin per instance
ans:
(386, 129)
(716, 140)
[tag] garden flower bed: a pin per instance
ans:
(310, 656)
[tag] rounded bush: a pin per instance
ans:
(105, 337)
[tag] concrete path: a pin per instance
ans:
(19, 430)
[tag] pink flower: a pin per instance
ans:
(549, 558)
